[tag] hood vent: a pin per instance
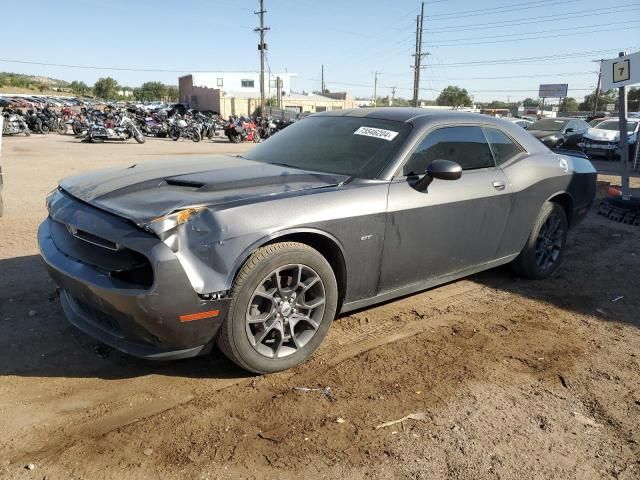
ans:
(186, 184)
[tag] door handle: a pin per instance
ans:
(498, 184)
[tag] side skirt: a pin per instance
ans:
(424, 285)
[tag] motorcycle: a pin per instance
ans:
(179, 127)
(240, 131)
(36, 121)
(122, 130)
(154, 125)
(266, 128)
(66, 120)
(14, 124)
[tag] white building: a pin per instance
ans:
(233, 84)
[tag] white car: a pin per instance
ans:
(521, 122)
(604, 139)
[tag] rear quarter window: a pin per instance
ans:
(502, 147)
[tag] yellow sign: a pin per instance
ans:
(621, 71)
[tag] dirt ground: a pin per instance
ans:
(515, 379)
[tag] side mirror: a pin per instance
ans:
(440, 169)
(569, 130)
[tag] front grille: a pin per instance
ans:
(118, 262)
(596, 142)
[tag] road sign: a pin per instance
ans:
(553, 90)
(611, 107)
(621, 71)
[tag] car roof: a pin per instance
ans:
(401, 114)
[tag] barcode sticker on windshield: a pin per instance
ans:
(376, 133)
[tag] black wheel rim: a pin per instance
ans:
(285, 311)
(549, 242)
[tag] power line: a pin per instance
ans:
(553, 30)
(538, 37)
(526, 21)
(504, 9)
(503, 61)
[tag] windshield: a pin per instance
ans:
(548, 125)
(615, 125)
(353, 146)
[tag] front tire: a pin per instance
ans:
(543, 252)
(282, 304)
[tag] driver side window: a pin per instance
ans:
(466, 146)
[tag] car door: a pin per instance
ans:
(574, 135)
(452, 225)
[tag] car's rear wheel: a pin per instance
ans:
(542, 254)
(283, 302)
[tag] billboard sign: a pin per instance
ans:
(553, 90)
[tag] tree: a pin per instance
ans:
(497, 104)
(610, 96)
(172, 93)
(634, 99)
(79, 88)
(151, 91)
(106, 88)
(569, 105)
(454, 97)
(530, 102)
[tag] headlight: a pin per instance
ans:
(49, 197)
(171, 221)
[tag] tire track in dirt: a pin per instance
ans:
(92, 413)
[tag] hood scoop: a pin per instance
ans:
(190, 185)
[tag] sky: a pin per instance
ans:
(485, 47)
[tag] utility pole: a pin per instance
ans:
(262, 47)
(393, 96)
(375, 89)
(322, 82)
(278, 92)
(415, 64)
(418, 56)
(597, 96)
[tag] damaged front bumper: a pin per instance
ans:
(123, 286)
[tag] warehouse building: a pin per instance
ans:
(238, 93)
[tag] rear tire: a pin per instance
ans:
(196, 137)
(239, 339)
(543, 252)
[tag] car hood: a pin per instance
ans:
(544, 133)
(144, 192)
(602, 135)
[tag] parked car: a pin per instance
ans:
(521, 122)
(559, 132)
(604, 138)
(596, 121)
(339, 211)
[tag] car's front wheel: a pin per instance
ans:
(542, 254)
(282, 304)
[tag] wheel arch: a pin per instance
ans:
(326, 244)
(565, 200)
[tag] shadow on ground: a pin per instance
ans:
(598, 279)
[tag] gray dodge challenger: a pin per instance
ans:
(340, 211)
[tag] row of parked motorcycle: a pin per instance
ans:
(120, 124)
